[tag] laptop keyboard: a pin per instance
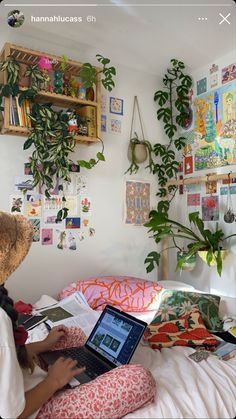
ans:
(93, 366)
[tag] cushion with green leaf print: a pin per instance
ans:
(175, 304)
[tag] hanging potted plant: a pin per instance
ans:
(210, 245)
(138, 150)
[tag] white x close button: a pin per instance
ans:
(224, 18)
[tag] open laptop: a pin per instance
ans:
(111, 343)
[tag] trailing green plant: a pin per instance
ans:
(197, 236)
(173, 102)
(49, 133)
(88, 73)
(134, 167)
(173, 110)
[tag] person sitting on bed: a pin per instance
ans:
(27, 390)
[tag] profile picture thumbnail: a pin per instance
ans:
(15, 18)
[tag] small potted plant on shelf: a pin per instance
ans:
(210, 245)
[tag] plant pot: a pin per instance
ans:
(140, 153)
(203, 256)
(190, 263)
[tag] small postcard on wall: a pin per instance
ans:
(17, 203)
(116, 106)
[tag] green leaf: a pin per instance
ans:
(28, 143)
(163, 206)
(159, 149)
(162, 192)
(170, 130)
(180, 143)
(165, 114)
(161, 97)
(219, 262)
(152, 259)
(100, 156)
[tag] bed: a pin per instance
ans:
(185, 389)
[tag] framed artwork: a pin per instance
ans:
(116, 106)
(228, 73)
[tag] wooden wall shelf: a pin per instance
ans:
(29, 57)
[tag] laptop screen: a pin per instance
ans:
(116, 336)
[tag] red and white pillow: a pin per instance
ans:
(188, 330)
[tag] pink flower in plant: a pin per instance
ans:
(45, 64)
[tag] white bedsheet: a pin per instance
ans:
(185, 389)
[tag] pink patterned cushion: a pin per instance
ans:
(124, 292)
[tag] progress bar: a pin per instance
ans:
(116, 5)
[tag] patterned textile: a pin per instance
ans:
(112, 395)
(124, 292)
(188, 330)
(175, 303)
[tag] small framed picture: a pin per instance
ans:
(116, 106)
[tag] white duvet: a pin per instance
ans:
(185, 389)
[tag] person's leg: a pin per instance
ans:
(74, 338)
(112, 395)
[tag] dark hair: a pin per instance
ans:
(7, 304)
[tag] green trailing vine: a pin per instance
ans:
(49, 135)
(173, 102)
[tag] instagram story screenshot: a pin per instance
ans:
(118, 209)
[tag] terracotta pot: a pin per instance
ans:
(203, 256)
(23, 81)
(140, 153)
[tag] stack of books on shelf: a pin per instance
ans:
(19, 114)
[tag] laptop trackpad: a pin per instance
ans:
(82, 378)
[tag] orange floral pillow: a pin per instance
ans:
(188, 330)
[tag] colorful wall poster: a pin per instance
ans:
(215, 125)
(33, 205)
(36, 227)
(137, 202)
(228, 73)
(47, 236)
(214, 76)
(211, 186)
(201, 86)
(72, 222)
(17, 203)
(193, 199)
(116, 106)
(24, 183)
(85, 205)
(224, 190)
(188, 165)
(115, 126)
(210, 208)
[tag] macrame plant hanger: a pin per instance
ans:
(139, 149)
(136, 105)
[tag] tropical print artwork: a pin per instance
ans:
(175, 304)
(188, 330)
(214, 133)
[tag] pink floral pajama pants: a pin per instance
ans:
(110, 396)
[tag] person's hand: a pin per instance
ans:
(62, 371)
(54, 336)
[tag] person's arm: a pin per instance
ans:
(35, 398)
(53, 337)
(59, 374)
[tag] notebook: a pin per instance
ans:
(111, 343)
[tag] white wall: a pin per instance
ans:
(204, 277)
(116, 248)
